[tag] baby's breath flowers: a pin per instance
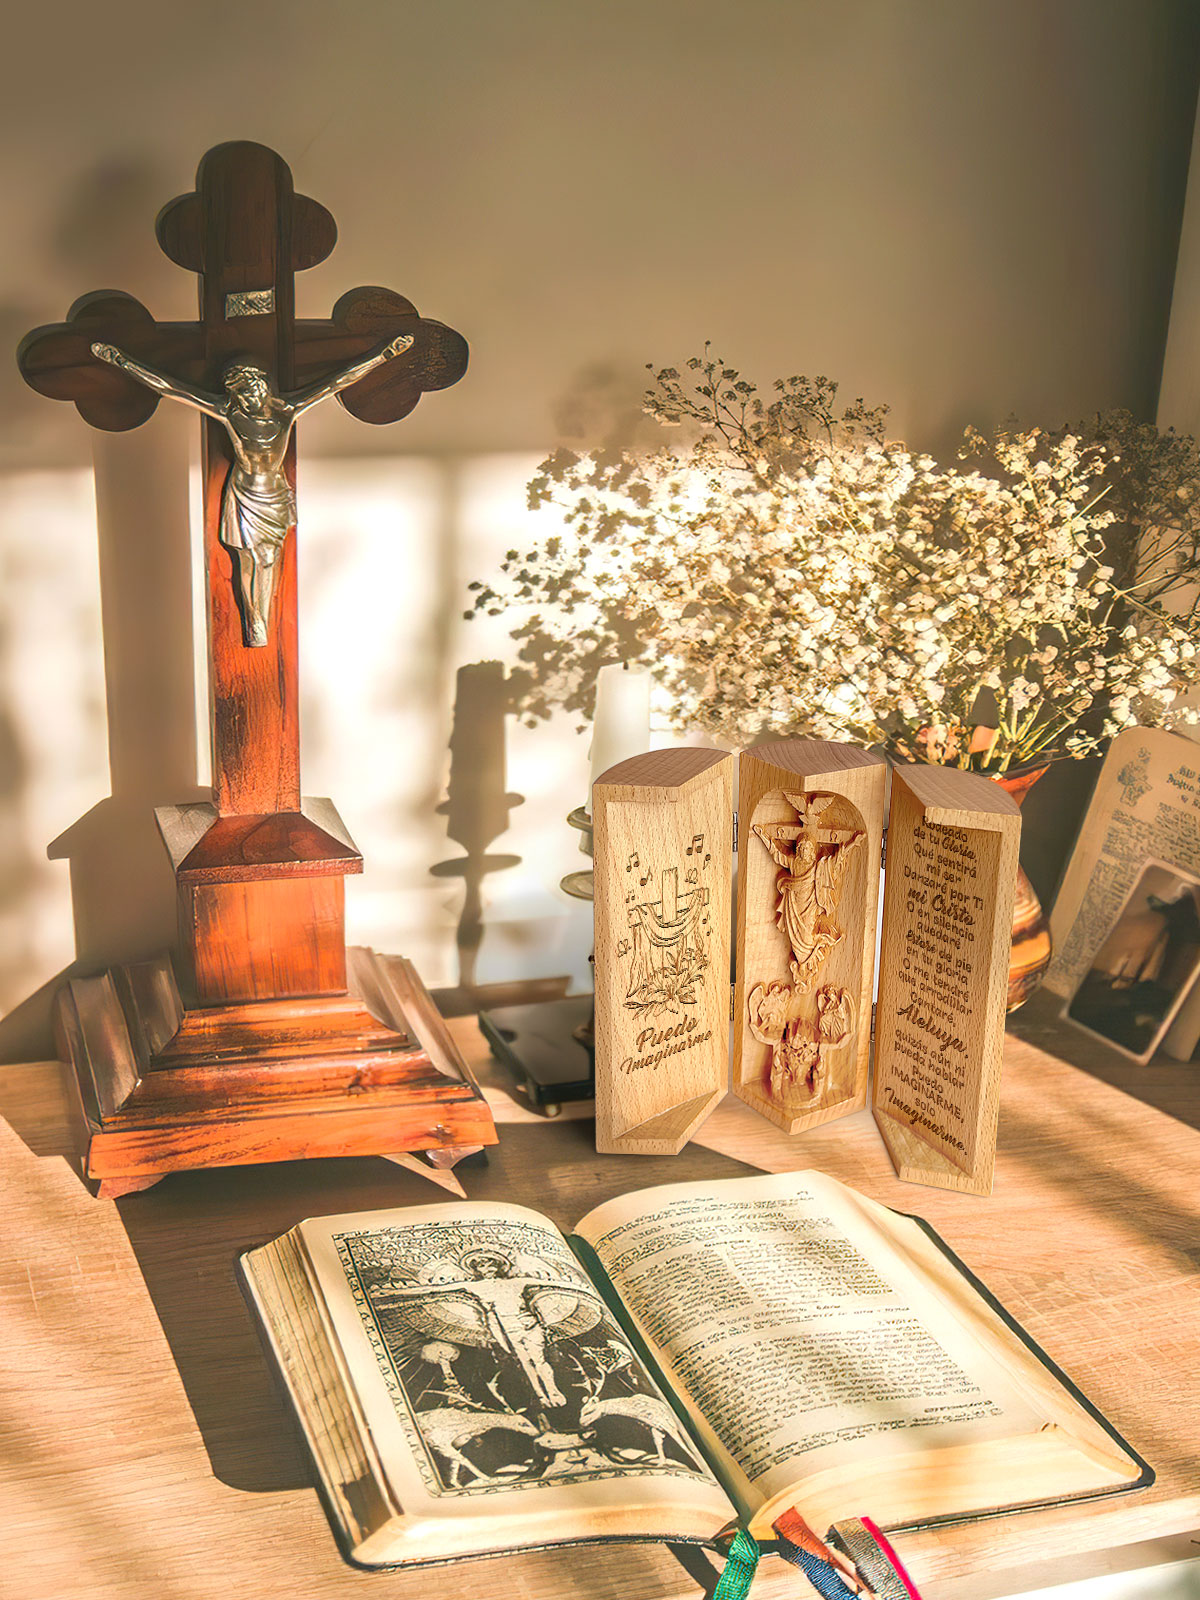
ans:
(782, 565)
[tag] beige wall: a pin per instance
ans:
(965, 209)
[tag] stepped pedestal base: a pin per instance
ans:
(164, 1087)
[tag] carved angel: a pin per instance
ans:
(835, 1016)
(768, 1008)
(799, 1047)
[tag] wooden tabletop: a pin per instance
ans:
(144, 1450)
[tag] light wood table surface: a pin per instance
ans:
(144, 1451)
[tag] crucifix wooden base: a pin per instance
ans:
(263, 1039)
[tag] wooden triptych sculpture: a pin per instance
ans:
(663, 827)
(261, 1041)
(810, 824)
(810, 830)
(953, 839)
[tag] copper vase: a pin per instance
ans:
(1031, 946)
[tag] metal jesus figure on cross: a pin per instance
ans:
(258, 503)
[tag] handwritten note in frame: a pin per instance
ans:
(953, 839)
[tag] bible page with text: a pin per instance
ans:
(805, 1344)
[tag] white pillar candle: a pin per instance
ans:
(622, 724)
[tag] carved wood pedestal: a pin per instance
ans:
(266, 1039)
(163, 1088)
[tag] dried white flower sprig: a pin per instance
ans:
(785, 566)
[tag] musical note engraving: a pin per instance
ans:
(667, 949)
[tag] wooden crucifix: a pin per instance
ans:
(257, 1044)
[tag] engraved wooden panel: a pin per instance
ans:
(663, 835)
(810, 825)
(953, 839)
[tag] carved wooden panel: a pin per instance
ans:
(953, 839)
(810, 817)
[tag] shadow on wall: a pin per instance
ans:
(477, 805)
(122, 892)
(121, 887)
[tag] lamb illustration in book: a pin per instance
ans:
(503, 1363)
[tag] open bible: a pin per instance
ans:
(469, 1380)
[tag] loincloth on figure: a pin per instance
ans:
(257, 520)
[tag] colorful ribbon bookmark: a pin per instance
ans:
(876, 1562)
(741, 1562)
(877, 1573)
(827, 1573)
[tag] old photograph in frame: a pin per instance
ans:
(1146, 965)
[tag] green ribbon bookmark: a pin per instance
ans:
(740, 1566)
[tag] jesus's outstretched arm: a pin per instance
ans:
(302, 399)
(169, 388)
(775, 845)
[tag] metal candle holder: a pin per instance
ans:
(582, 886)
(549, 1046)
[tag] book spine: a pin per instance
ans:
(603, 1284)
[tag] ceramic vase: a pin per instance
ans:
(1031, 946)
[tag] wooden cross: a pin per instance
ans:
(246, 233)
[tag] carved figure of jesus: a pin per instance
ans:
(810, 883)
(258, 505)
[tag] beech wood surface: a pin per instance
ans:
(943, 974)
(146, 1450)
(765, 775)
(663, 837)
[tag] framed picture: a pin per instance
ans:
(1145, 966)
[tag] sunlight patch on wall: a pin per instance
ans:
(386, 550)
(387, 547)
(53, 728)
